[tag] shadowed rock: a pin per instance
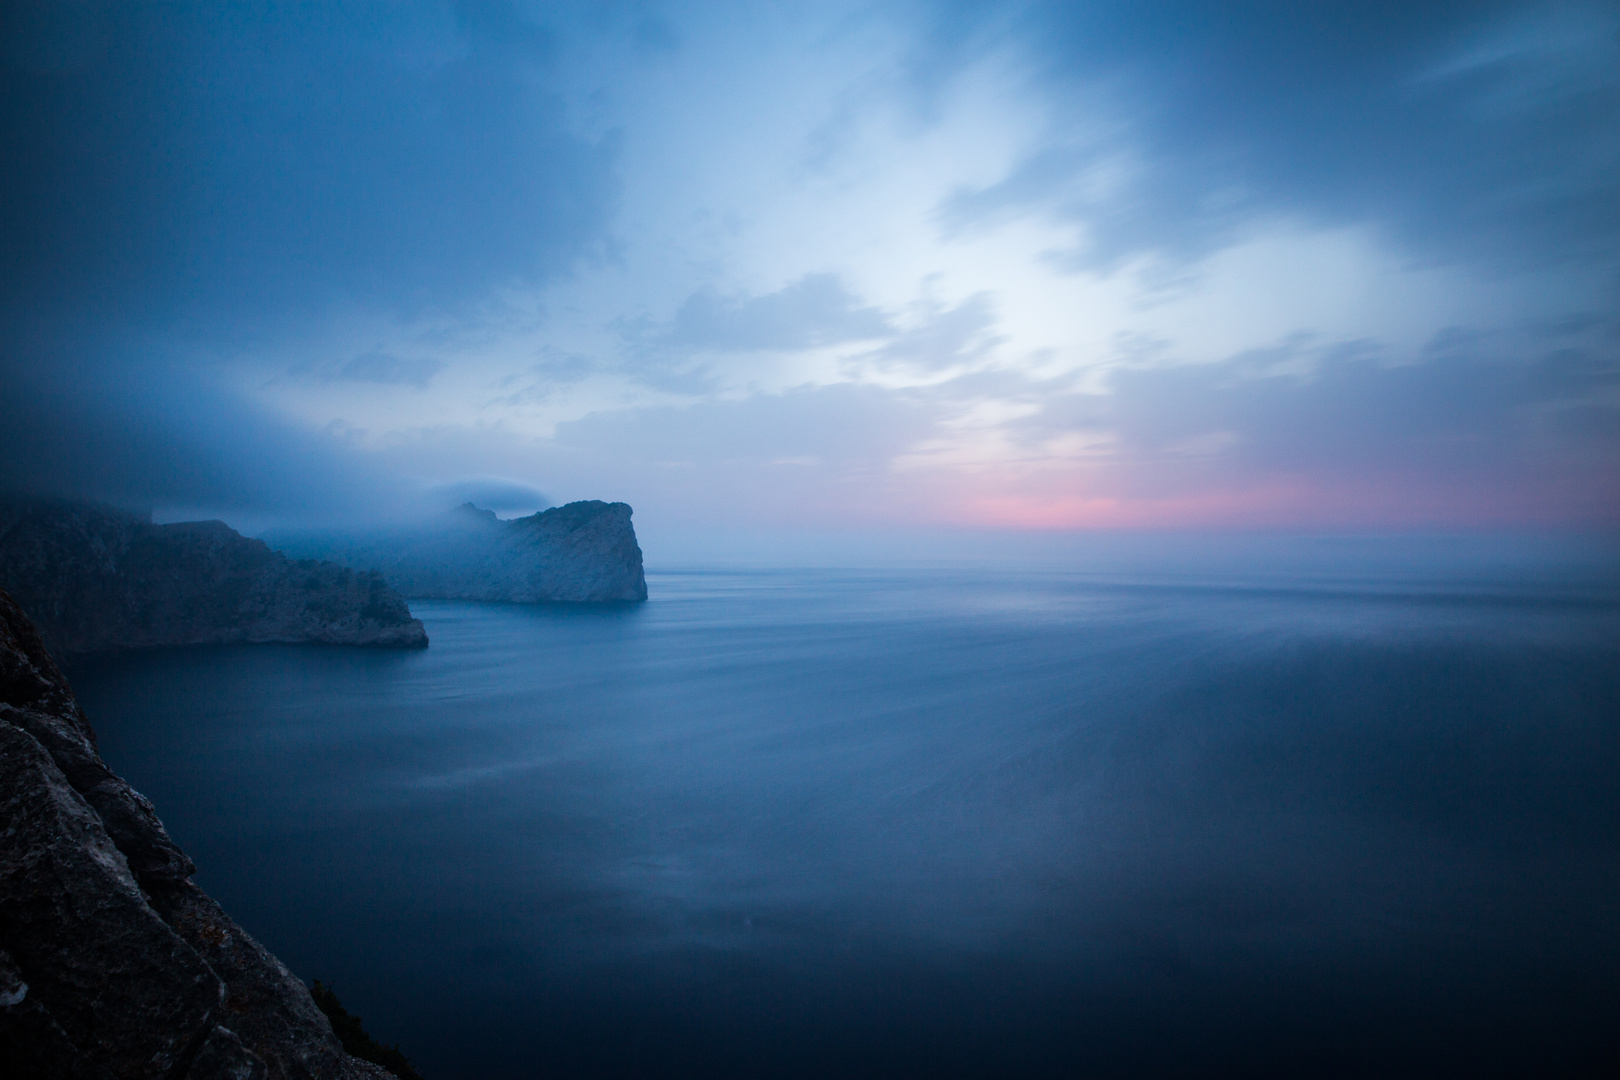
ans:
(97, 578)
(112, 963)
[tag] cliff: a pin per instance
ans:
(582, 552)
(112, 963)
(95, 578)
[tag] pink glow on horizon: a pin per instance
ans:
(1300, 502)
(1116, 512)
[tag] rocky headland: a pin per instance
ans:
(95, 578)
(113, 964)
(583, 552)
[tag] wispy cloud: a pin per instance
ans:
(387, 369)
(817, 310)
(1035, 264)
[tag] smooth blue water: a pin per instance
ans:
(927, 823)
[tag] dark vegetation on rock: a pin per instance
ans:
(353, 1035)
(113, 965)
(579, 553)
(97, 578)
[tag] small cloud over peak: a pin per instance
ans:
(505, 497)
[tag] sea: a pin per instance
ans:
(1328, 815)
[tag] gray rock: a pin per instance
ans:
(112, 963)
(97, 578)
(123, 988)
(580, 553)
(223, 1057)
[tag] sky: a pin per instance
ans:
(854, 266)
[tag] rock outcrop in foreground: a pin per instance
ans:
(113, 965)
(582, 552)
(96, 578)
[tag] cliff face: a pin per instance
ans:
(112, 963)
(582, 552)
(95, 577)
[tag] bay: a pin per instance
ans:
(928, 822)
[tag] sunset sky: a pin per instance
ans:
(853, 265)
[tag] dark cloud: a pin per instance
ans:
(228, 166)
(197, 180)
(151, 436)
(1477, 130)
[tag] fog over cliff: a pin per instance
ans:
(866, 266)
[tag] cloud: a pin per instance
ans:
(247, 168)
(1304, 431)
(155, 436)
(194, 189)
(1340, 434)
(555, 369)
(940, 337)
(843, 426)
(496, 493)
(1476, 133)
(815, 311)
(387, 369)
(206, 195)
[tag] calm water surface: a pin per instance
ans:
(927, 823)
